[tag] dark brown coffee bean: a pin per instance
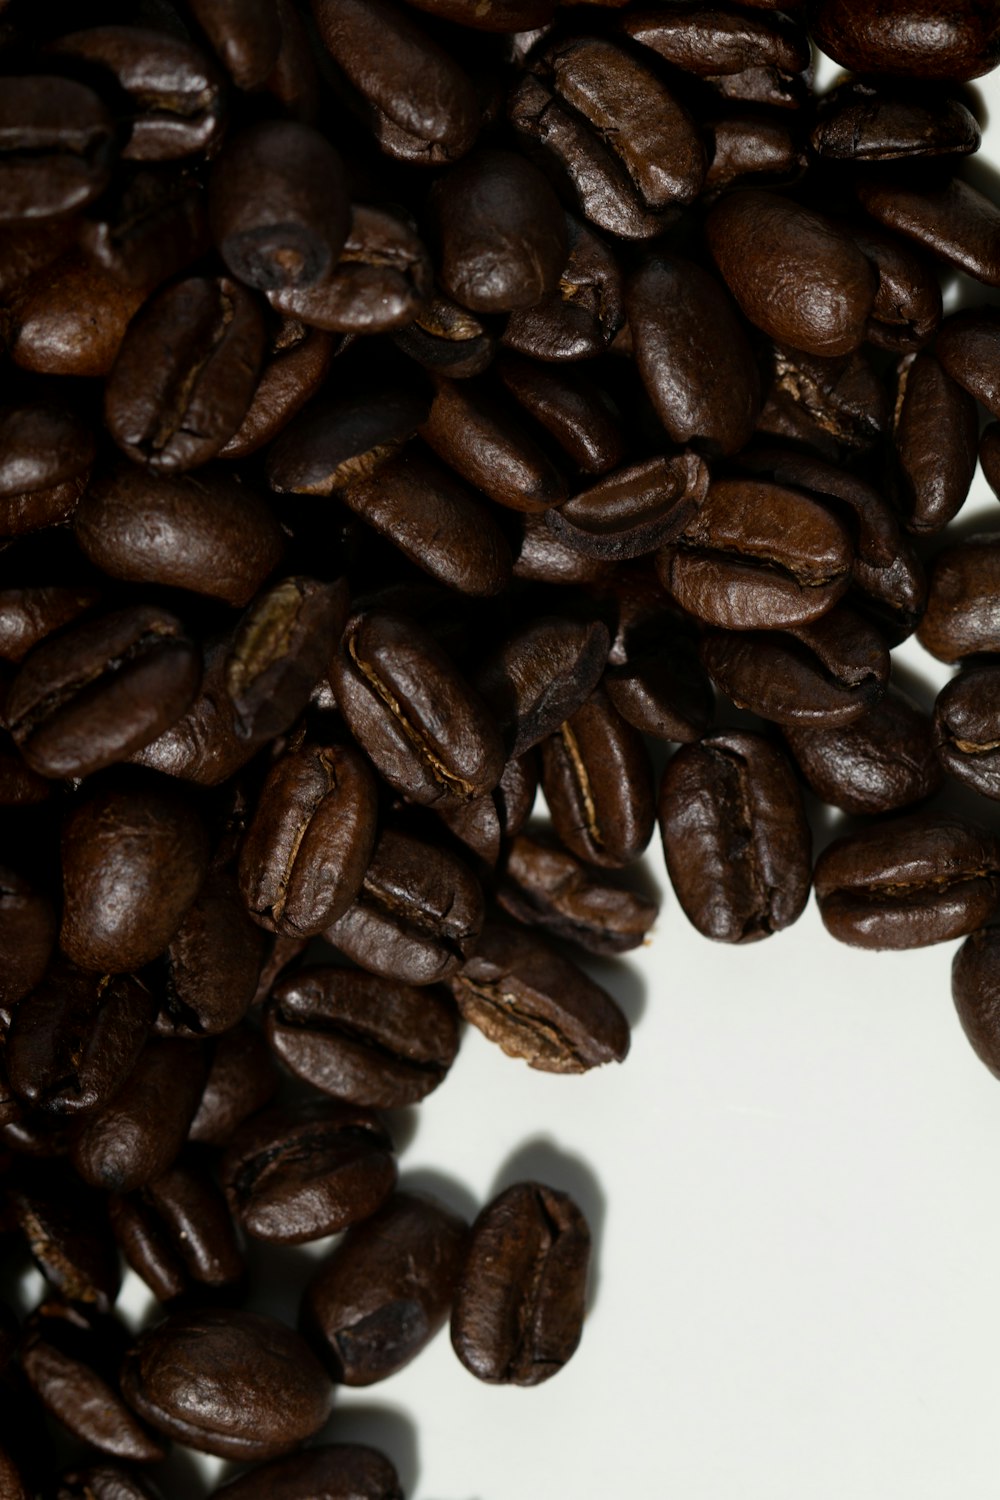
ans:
(57, 146)
(831, 404)
(134, 855)
(967, 728)
(27, 936)
(495, 15)
(519, 1307)
(583, 315)
(103, 1482)
(907, 308)
(663, 690)
(858, 122)
(244, 34)
(362, 1039)
(989, 456)
(757, 557)
(151, 227)
(29, 614)
(176, 1233)
(543, 886)
(74, 1040)
(597, 779)
(434, 117)
(172, 96)
(974, 989)
(537, 1005)
(935, 433)
(578, 414)
(825, 673)
(447, 339)
(909, 38)
(339, 1471)
(386, 1289)
(310, 840)
(210, 535)
(693, 355)
(260, 1391)
(955, 223)
(418, 916)
(138, 1135)
(241, 1079)
(336, 444)
(968, 347)
(752, 146)
(961, 618)
(69, 1357)
(883, 761)
(203, 746)
(296, 1177)
(909, 881)
(544, 557)
(298, 363)
(102, 689)
(804, 282)
(634, 510)
(186, 373)
(540, 676)
(70, 317)
(487, 443)
(735, 836)
(66, 1228)
(209, 972)
(280, 650)
(47, 450)
(278, 205)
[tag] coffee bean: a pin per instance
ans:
(974, 991)
(967, 728)
(936, 432)
(27, 937)
(544, 886)
(296, 367)
(280, 650)
(961, 615)
(909, 40)
(585, 312)
(471, 429)
(47, 453)
(968, 346)
(241, 1079)
(955, 223)
(56, 148)
(882, 761)
(597, 779)
(103, 1482)
(68, 1235)
(907, 308)
(539, 676)
(857, 122)
(176, 1233)
(631, 512)
(245, 34)
(207, 977)
(339, 1471)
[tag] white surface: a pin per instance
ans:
(794, 1182)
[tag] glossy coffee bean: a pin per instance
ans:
(27, 936)
(597, 779)
(955, 223)
(635, 509)
(70, 317)
(29, 614)
(909, 38)
(486, 442)
(752, 147)
(735, 836)
(337, 443)
(292, 1177)
(56, 148)
(961, 614)
(447, 339)
(859, 122)
(540, 675)
(177, 1234)
(207, 976)
(280, 650)
(935, 433)
(967, 728)
(298, 361)
(47, 453)
(537, 1005)
(908, 882)
(882, 761)
(152, 227)
(241, 1079)
(260, 1391)
(386, 1289)
(103, 1482)
(519, 1308)
(362, 1039)
(582, 316)
(968, 347)
(974, 971)
(832, 404)
(544, 886)
(338, 1471)
(575, 411)
(907, 308)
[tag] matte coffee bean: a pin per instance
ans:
(909, 38)
(634, 510)
(883, 761)
(956, 223)
(974, 989)
(207, 976)
(66, 1229)
(47, 453)
(961, 617)
(241, 1079)
(292, 1177)
(714, 40)
(540, 675)
(385, 1290)
(967, 729)
(597, 779)
(543, 886)
(935, 436)
(280, 650)
(278, 205)
(362, 1039)
(418, 916)
(537, 1005)
(236, 1384)
(831, 404)
(134, 855)
(298, 363)
(185, 373)
(177, 1234)
(57, 147)
(908, 882)
(310, 840)
(735, 836)
(519, 1308)
(338, 1471)
(805, 282)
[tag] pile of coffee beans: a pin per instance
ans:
(408, 406)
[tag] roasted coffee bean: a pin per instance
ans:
(805, 282)
(537, 1005)
(543, 886)
(909, 881)
(968, 347)
(74, 1040)
(907, 308)
(292, 1177)
(69, 1358)
(310, 840)
(154, 226)
(578, 414)
(138, 1135)
(103, 1482)
(57, 146)
(245, 35)
(27, 936)
(545, 557)
(597, 779)
(693, 355)
(418, 916)
(859, 122)
(909, 38)
(211, 534)
(176, 1233)
(47, 450)
(974, 972)
(134, 854)
(381, 282)
(540, 676)
(241, 1079)
(386, 1289)
(935, 432)
(280, 650)
(989, 456)
(186, 373)
(825, 673)
(14, 1483)
(967, 728)
(339, 1471)
(424, 728)
(208, 975)
(173, 97)
(663, 690)
(487, 443)
(735, 836)
(447, 339)
(278, 205)
(519, 1307)
(713, 41)
(634, 510)
(955, 223)
(102, 689)
(363, 1039)
(830, 404)
(961, 617)
(335, 444)
(583, 315)
(757, 557)
(260, 1392)
(70, 317)
(883, 761)
(751, 146)
(29, 614)
(297, 365)
(203, 745)
(501, 232)
(68, 1234)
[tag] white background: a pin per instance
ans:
(794, 1187)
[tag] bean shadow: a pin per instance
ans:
(387, 1428)
(447, 1191)
(184, 1473)
(542, 1160)
(621, 979)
